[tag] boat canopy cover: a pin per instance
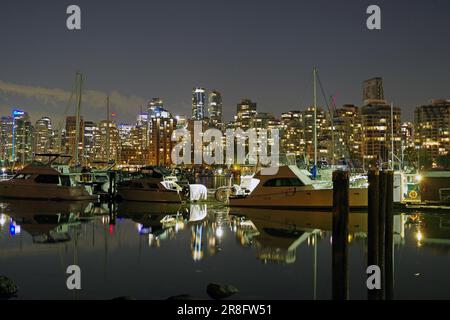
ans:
(287, 172)
(39, 168)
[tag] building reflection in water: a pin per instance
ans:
(200, 231)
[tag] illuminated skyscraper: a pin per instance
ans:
(107, 141)
(22, 142)
(90, 132)
(245, 114)
(44, 136)
(377, 130)
(215, 109)
(160, 127)
(6, 140)
(198, 104)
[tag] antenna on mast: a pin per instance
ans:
(108, 155)
(78, 118)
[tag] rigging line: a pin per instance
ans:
(323, 94)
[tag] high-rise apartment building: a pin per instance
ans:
(44, 136)
(22, 142)
(347, 134)
(432, 124)
(292, 134)
(161, 124)
(245, 114)
(6, 140)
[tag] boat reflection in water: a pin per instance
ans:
(118, 246)
(277, 234)
(45, 221)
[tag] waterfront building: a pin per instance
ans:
(432, 123)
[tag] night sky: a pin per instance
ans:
(263, 50)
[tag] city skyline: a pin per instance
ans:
(262, 51)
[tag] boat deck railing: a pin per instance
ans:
(4, 177)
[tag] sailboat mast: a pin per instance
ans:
(78, 118)
(392, 136)
(315, 117)
(333, 144)
(107, 130)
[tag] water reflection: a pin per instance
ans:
(168, 238)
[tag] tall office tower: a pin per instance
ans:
(245, 114)
(90, 132)
(107, 141)
(44, 136)
(373, 92)
(160, 127)
(70, 142)
(380, 132)
(292, 138)
(408, 135)
(22, 148)
(323, 133)
(347, 135)
(215, 109)
(432, 124)
(198, 104)
(6, 140)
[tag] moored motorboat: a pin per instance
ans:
(42, 182)
(290, 188)
(155, 185)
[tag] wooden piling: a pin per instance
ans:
(372, 224)
(389, 237)
(340, 235)
(112, 185)
(382, 231)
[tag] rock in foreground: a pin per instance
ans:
(8, 289)
(218, 291)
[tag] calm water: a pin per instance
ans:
(151, 251)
